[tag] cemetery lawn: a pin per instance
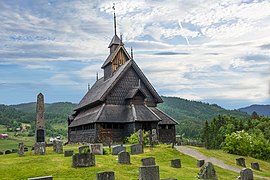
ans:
(14, 167)
(230, 160)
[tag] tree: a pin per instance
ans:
(254, 115)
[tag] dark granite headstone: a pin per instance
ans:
(136, 149)
(207, 172)
(40, 148)
(124, 157)
(150, 161)
(246, 174)
(96, 149)
(109, 175)
(14, 150)
(83, 160)
(240, 162)
(149, 173)
(200, 162)
(26, 149)
(21, 149)
(176, 163)
(1, 153)
(8, 152)
(84, 149)
(42, 178)
(68, 153)
(255, 165)
(117, 149)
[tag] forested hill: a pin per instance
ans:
(64, 108)
(262, 110)
(191, 115)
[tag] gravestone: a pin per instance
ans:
(140, 136)
(21, 149)
(26, 149)
(117, 149)
(124, 157)
(255, 165)
(200, 162)
(1, 153)
(68, 153)
(240, 162)
(40, 130)
(8, 152)
(150, 161)
(58, 146)
(84, 149)
(83, 160)
(40, 148)
(42, 178)
(14, 150)
(149, 173)
(136, 149)
(207, 172)
(109, 175)
(176, 163)
(96, 149)
(246, 174)
(154, 136)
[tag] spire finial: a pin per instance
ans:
(131, 52)
(97, 76)
(114, 18)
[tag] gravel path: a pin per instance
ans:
(197, 155)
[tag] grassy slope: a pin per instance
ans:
(14, 167)
(12, 142)
(230, 159)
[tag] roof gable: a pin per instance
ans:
(102, 87)
(111, 57)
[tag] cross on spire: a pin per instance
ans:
(114, 17)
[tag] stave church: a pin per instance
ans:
(120, 103)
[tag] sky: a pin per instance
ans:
(204, 50)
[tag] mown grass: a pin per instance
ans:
(14, 167)
(230, 159)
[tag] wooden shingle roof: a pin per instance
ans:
(165, 119)
(101, 88)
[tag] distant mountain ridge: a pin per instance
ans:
(262, 110)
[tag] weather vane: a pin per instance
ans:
(114, 18)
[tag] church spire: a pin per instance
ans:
(114, 17)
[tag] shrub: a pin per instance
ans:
(133, 138)
(243, 143)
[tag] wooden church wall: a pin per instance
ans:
(129, 80)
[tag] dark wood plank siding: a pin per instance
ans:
(167, 135)
(88, 136)
(121, 89)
